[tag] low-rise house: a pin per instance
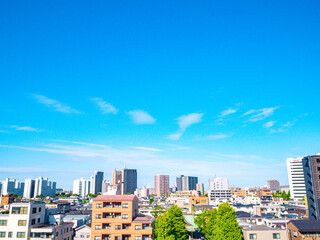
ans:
(263, 232)
(83, 232)
(304, 229)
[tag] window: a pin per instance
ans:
(39, 209)
(22, 222)
(38, 220)
(98, 227)
(137, 238)
(98, 216)
(295, 234)
(117, 227)
(276, 236)
(99, 206)
(97, 238)
(2, 234)
(33, 222)
(125, 205)
(3, 222)
(116, 238)
(253, 236)
(318, 160)
(19, 210)
(137, 227)
(21, 234)
(34, 210)
(145, 237)
(9, 234)
(125, 216)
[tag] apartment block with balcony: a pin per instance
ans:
(115, 217)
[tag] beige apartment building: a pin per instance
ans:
(115, 217)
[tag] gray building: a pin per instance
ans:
(311, 170)
(129, 181)
(186, 183)
(96, 182)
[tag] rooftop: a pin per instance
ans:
(143, 218)
(261, 228)
(307, 225)
(115, 198)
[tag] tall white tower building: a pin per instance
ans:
(81, 186)
(296, 178)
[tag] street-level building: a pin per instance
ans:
(304, 230)
(263, 232)
(115, 217)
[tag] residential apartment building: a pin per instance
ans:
(200, 188)
(218, 183)
(116, 218)
(117, 178)
(311, 170)
(304, 230)
(9, 186)
(198, 201)
(161, 184)
(219, 190)
(45, 187)
(81, 187)
(7, 199)
(186, 183)
(83, 232)
(29, 188)
(296, 178)
(263, 232)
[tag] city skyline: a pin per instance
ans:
(165, 88)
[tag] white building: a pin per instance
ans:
(105, 184)
(218, 183)
(83, 233)
(28, 188)
(81, 187)
(219, 191)
(296, 178)
(11, 186)
(43, 186)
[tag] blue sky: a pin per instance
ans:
(210, 88)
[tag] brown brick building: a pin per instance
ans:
(7, 199)
(304, 230)
(115, 217)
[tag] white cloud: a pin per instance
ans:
(259, 114)
(3, 131)
(269, 124)
(141, 117)
(213, 137)
(104, 106)
(54, 104)
(284, 127)
(184, 122)
(228, 112)
(147, 149)
(25, 128)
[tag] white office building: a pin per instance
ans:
(218, 183)
(81, 187)
(296, 178)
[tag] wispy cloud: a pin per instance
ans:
(213, 137)
(184, 122)
(141, 117)
(269, 124)
(284, 127)
(259, 114)
(54, 104)
(25, 128)
(3, 131)
(104, 106)
(147, 149)
(228, 112)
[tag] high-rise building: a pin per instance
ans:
(179, 183)
(117, 178)
(43, 186)
(129, 181)
(219, 190)
(200, 189)
(81, 187)
(161, 184)
(12, 187)
(105, 185)
(116, 217)
(186, 183)
(296, 178)
(273, 184)
(96, 182)
(311, 169)
(28, 188)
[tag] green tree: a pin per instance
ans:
(206, 223)
(158, 211)
(171, 225)
(151, 200)
(226, 224)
